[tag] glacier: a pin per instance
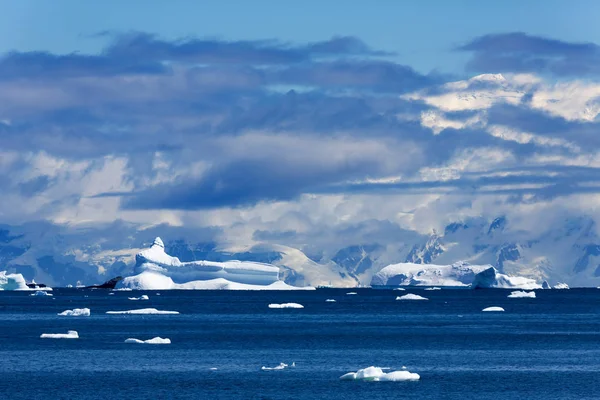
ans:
(157, 270)
(460, 274)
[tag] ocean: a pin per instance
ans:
(542, 348)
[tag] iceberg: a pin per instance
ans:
(522, 295)
(433, 288)
(561, 286)
(286, 305)
(144, 311)
(142, 297)
(41, 293)
(156, 340)
(411, 296)
(459, 274)
(156, 270)
(330, 301)
(493, 309)
(68, 335)
(277, 368)
(12, 281)
(376, 374)
(76, 312)
(351, 293)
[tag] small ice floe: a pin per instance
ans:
(433, 288)
(286, 305)
(493, 309)
(76, 312)
(143, 311)
(411, 296)
(521, 295)
(156, 340)
(351, 293)
(399, 288)
(376, 374)
(68, 335)
(158, 294)
(125, 289)
(560, 286)
(41, 293)
(277, 368)
(111, 294)
(330, 301)
(142, 297)
(213, 369)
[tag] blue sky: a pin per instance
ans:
(404, 115)
(422, 33)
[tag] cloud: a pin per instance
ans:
(521, 52)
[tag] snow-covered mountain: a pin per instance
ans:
(59, 255)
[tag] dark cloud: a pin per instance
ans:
(520, 52)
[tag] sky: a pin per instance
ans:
(298, 121)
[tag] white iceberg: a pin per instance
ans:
(351, 293)
(286, 305)
(12, 281)
(142, 297)
(376, 374)
(521, 295)
(433, 288)
(399, 288)
(459, 274)
(68, 335)
(156, 340)
(144, 311)
(277, 368)
(330, 301)
(411, 296)
(41, 293)
(76, 312)
(561, 286)
(493, 309)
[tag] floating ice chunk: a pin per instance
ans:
(561, 286)
(68, 335)
(330, 301)
(351, 293)
(286, 305)
(213, 369)
(111, 294)
(521, 294)
(493, 309)
(123, 289)
(376, 374)
(41, 293)
(143, 311)
(277, 368)
(76, 312)
(411, 296)
(433, 288)
(156, 340)
(399, 288)
(142, 297)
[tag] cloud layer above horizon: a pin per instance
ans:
(293, 139)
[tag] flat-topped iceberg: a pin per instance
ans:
(521, 295)
(142, 297)
(376, 374)
(68, 335)
(286, 305)
(411, 296)
(456, 275)
(493, 309)
(143, 311)
(156, 340)
(156, 270)
(76, 312)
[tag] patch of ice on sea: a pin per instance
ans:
(68, 335)
(521, 295)
(41, 293)
(76, 312)
(286, 305)
(376, 374)
(411, 296)
(156, 340)
(144, 311)
(142, 297)
(330, 301)
(493, 309)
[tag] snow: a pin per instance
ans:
(142, 297)
(156, 340)
(561, 286)
(493, 309)
(76, 312)
(459, 274)
(144, 311)
(153, 280)
(330, 301)
(68, 335)
(12, 281)
(277, 368)
(376, 374)
(411, 296)
(520, 295)
(40, 293)
(286, 305)
(433, 288)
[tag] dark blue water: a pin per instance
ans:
(543, 348)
